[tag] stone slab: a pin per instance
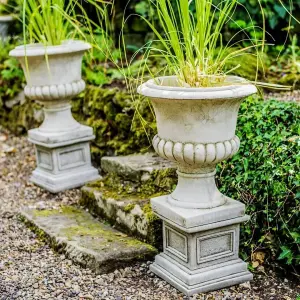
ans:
(201, 280)
(135, 167)
(195, 220)
(131, 214)
(85, 240)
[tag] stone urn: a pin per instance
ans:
(53, 76)
(5, 22)
(196, 130)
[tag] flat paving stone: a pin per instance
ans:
(85, 240)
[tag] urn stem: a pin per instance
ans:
(58, 119)
(196, 190)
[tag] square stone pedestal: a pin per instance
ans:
(63, 159)
(200, 248)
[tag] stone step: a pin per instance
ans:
(85, 240)
(136, 167)
(130, 214)
(123, 196)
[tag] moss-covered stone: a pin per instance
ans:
(124, 201)
(85, 240)
(129, 207)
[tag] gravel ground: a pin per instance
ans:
(30, 270)
(293, 96)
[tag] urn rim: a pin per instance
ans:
(38, 49)
(6, 18)
(169, 88)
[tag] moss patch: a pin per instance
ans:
(63, 210)
(115, 188)
(160, 183)
(88, 227)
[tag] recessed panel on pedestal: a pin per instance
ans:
(176, 243)
(71, 157)
(44, 159)
(215, 246)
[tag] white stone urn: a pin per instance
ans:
(5, 22)
(196, 129)
(53, 76)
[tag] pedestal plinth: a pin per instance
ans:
(63, 159)
(200, 248)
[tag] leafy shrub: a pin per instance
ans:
(11, 75)
(11, 79)
(265, 176)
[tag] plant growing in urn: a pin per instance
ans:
(51, 59)
(196, 112)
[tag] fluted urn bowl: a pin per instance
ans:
(196, 129)
(53, 77)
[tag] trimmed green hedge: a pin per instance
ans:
(265, 176)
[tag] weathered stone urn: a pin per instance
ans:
(5, 22)
(196, 129)
(53, 76)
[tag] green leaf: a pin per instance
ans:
(141, 8)
(286, 253)
(280, 10)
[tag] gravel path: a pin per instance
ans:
(30, 270)
(293, 96)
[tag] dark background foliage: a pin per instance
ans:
(277, 19)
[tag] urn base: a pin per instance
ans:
(202, 280)
(63, 159)
(62, 182)
(200, 246)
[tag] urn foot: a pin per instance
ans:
(202, 280)
(56, 183)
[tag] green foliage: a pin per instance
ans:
(276, 13)
(11, 75)
(96, 69)
(286, 69)
(265, 176)
(277, 17)
(8, 7)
